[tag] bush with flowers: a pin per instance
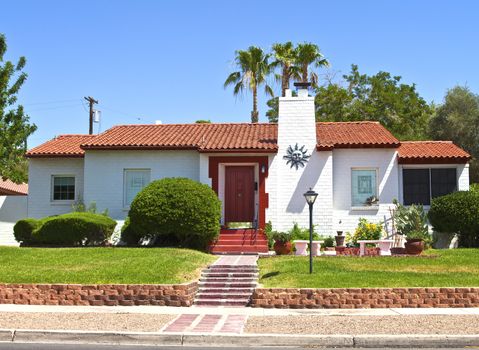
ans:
(366, 231)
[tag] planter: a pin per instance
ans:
(282, 248)
(353, 251)
(339, 239)
(414, 246)
(398, 251)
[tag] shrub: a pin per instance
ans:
(75, 229)
(128, 235)
(457, 212)
(281, 237)
(177, 209)
(298, 233)
(268, 231)
(366, 231)
(411, 220)
(23, 230)
(328, 242)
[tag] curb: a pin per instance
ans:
(257, 340)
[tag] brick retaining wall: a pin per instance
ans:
(350, 298)
(99, 294)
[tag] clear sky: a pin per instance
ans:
(167, 60)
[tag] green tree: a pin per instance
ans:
(272, 112)
(203, 121)
(14, 123)
(285, 58)
(254, 68)
(457, 119)
(307, 55)
(380, 97)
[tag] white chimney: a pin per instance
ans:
(158, 122)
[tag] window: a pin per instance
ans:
(364, 186)
(63, 188)
(421, 185)
(135, 181)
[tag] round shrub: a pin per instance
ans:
(457, 212)
(128, 235)
(75, 229)
(177, 210)
(23, 230)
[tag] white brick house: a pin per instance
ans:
(348, 164)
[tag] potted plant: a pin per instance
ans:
(414, 242)
(282, 244)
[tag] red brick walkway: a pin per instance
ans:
(206, 324)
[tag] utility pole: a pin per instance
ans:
(91, 102)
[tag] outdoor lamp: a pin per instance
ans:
(310, 199)
(310, 196)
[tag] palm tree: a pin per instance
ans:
(254, 68)
(308, 54)
(285, 57)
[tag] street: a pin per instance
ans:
(33, 346)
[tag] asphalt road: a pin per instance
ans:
(32, 346)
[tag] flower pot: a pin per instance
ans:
(339, 241)
(282, 248)
(414, 246)
(398, 251)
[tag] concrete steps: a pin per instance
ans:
(227, 285)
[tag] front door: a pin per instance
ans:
(239, 194)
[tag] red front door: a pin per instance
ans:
(239, 194)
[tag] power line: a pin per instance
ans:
(48, 102)
(52, 108)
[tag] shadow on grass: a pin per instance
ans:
(270, 274)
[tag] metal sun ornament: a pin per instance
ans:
(296, 156)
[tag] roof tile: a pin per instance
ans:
(61, 146)
(10, 188)
(428, 152)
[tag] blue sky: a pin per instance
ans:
(167, 60)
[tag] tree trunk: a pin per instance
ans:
(305, 73)
(254, 113)
(285, 80)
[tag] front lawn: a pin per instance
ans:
(450, 268)
(101, 265)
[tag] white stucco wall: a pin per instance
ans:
(40, 172)
(104, 174)
(12, 209)
(385, 161)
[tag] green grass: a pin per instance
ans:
(101, 265)
(455, 267)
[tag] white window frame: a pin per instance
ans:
(126, 206)
(52, 189)
(364, 206)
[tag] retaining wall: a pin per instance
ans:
(350, 298)
(99, 294)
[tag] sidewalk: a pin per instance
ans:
(240, 326)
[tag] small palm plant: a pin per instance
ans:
(254, 68)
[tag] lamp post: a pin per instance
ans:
(310, 199)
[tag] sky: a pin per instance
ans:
(167, 60)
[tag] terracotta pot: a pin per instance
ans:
(282, 248)
(339, 241)
(398, 251)
(414, 246)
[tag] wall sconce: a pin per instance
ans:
(263, 169)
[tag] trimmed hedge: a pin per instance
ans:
(175, 211)
(457, 212)
(72, 229)
(23, 230)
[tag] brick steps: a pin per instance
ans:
(226, 285)
(240, 241)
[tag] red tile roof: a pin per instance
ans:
(201, 137)
(354, 135)
(428, 152)
(10, 188)
(244, 137)
(61, 146)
